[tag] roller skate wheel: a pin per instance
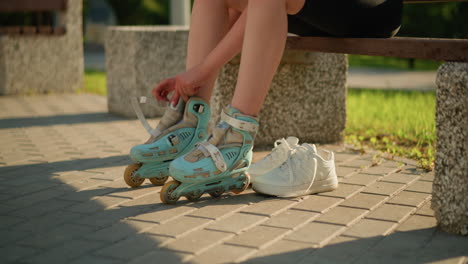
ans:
(131, 181)
(158, 181)
(166, 192)
(216, 194)
(246, 184)
(193, 197)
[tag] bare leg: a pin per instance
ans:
(263, 46)
(209, 23)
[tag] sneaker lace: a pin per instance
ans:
(274, 154)
(298, 161)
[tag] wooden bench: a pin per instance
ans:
(402, 47)
(41, 12)
(450, 186)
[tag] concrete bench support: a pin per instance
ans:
(450, 189)
(307, 98)
(44, 63)
(137, 58)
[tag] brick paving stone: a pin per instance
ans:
(369, 228)
(409, 198)
(164, 214)
(342, 216)
(378, 170)
(162, 256)
(42, 208)
(10, 236)
(9, 220)
(96, 260)
(344, 191)
(428, 177)
(345, 171)
(291, 218)
(96, 205)
(48, 221)
(421, 186)
(218, 208)
(444, 245)
(108, 217)
(257, 237)
(135, 193)
(197, 241)
(133, 246)
(391, 212)
(341, 250)
(119, 231)
(269, 207)
(13, 253)
(53, 237)
(179, 226)
(33, 198)
(344, 156)
(282, 251)
(317, 203)
(86, 183)
(86, 195)
(360, 179)
(383, 188)
(65, 252)
(222, 254)
(317, 234)
(359, 163)
(400, 178)
(365, 201)
(426, 210)
(236, 223)
(149, 201)
(418, 223)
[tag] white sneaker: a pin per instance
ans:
(304, 172)
(278, 155)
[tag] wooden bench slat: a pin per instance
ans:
(32, 5)
(416, 48)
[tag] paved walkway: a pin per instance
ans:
(63, 200)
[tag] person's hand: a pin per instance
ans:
(183, 85)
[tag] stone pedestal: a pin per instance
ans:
(137, 59)
(42, 63)
(307, 98)
(450, 190)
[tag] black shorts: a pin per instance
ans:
(347, 18)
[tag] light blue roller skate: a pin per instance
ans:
(215, 166)
(176, 134)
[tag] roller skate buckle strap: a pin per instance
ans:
(211, 150)
(239, 124)
(136, 107)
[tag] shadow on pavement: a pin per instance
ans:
(416, 246)
(23, 122)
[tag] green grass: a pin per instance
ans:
(95, 83)
(401, 123)
(391, 63)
